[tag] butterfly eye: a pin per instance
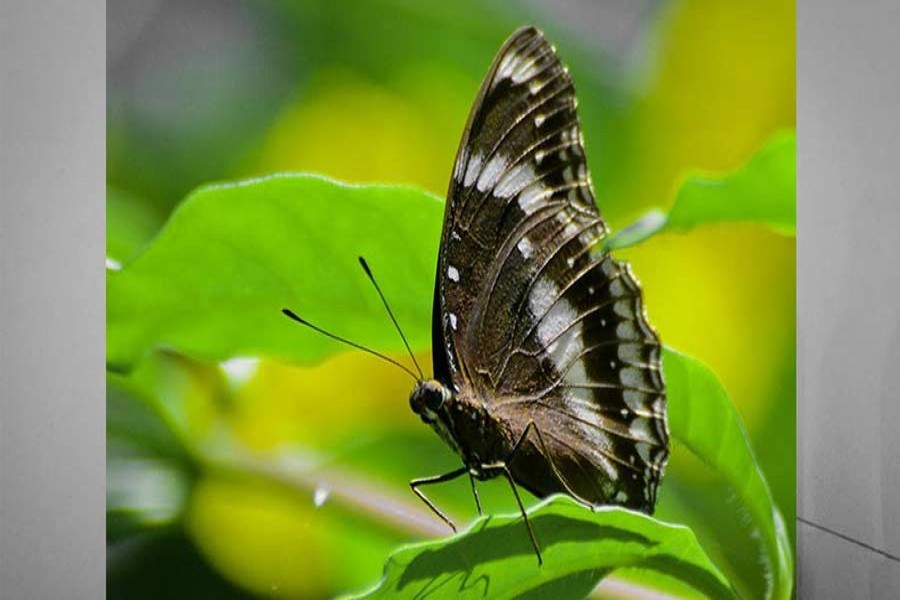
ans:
(427, 399)
(434, 399)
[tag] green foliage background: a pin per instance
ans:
(225, 422)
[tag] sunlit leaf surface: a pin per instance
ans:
(494, 558)
(702, 417)
(213, 283)
(764, 192)
(207, 256)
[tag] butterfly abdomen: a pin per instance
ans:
(477, 436)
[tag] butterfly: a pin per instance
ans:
(546, 371)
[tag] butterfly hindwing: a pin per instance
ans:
(529, 315)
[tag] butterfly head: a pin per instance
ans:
(427, 399)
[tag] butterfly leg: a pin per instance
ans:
(532, 425)
(501, 467)
(475, 493)
(415, 483)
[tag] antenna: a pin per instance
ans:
(291, 315)
(368, 271)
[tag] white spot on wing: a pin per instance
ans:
(643, 451)
(558, 315)
(609, 269)
(452, 273)
(472, 170)
(616, 288)
(632, 377)
(635, 400)
(509, 64)
(531, 197)
(640, 429)
(571, 225)
(622, 308)
(516, 177)
(491, 173)
(526, 72)
(525, 248)
(626, 330)
(629, 352)
(567, 350)
(453, 322)
(539, 300)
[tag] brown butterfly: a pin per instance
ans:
(545, 369)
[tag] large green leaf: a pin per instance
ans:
(764, 191)
(212, 284)
(494, 557)
(702, 416)
(214, 281)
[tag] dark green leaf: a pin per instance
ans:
(164, 564)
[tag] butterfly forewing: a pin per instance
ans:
(530, 317)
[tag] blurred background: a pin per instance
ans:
(379, 91)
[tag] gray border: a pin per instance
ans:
(848, 287)
(52, 409)
(52, 117)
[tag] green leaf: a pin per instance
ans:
(494, 557)
(130, 223)
(214, 281)
(702, 416)
(763, 191)
(212, 284)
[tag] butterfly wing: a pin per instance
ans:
(529, 316)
